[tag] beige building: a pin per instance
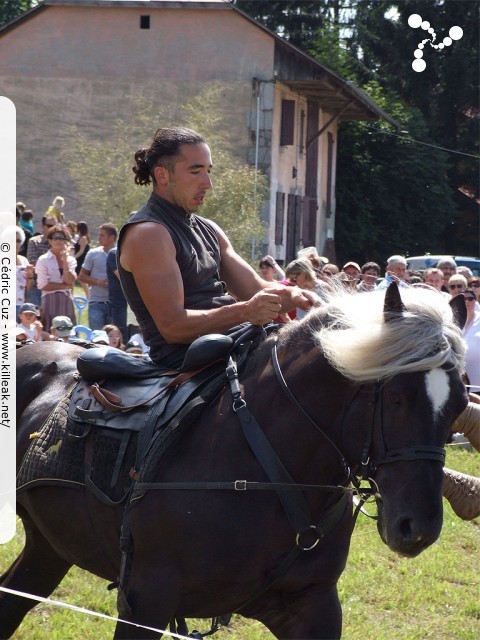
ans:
(81, 62)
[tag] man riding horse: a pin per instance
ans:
(176, 267)
(384, 413)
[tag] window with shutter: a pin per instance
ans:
(287, 124)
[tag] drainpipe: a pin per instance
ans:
(257, 134)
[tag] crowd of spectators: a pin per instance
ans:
(52, 262)
(52, 266)
(314, 272)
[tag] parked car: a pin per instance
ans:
(420, 263)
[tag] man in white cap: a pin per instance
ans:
(353, 271)
(448, 267)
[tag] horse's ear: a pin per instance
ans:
(393, 305)
(459, 309)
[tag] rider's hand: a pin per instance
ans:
(264, 306)
(305, 299)
(293, 297)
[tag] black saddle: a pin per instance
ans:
(110, 363)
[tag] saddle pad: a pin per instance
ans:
(56, 456)
(78, 454)
(50, 454)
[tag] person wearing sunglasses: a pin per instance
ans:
(474, 284)
(56, 276)
(328, 271)
(448, 267)
(270, 270)
(471, 333)
(457, 284)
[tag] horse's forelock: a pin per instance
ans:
(352, 332)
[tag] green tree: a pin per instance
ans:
(295, 20)
(392, 194)
(103, 177)
(11, 9)
(445, 93)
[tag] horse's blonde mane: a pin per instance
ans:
(352, 333)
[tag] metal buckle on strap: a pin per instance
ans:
(239, 403)
(240, 485)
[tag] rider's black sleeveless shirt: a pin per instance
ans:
(198, 257)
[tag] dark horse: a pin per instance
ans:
(378, 376)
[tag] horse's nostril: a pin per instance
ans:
(405, 528)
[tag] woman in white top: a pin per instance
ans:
(56, 276)
(471, 333)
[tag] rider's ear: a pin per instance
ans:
(393, 305)
(459, 309)
(161, 175)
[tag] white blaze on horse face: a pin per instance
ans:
(437, 383)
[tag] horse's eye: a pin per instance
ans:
(394, 399)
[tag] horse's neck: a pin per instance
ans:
(314, 385)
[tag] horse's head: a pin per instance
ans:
(402, 355)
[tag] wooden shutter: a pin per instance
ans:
(309, 226)
(279, 216)
(287, 125)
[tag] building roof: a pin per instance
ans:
(338, 96)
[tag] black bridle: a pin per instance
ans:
(369, 465)
(386, 456)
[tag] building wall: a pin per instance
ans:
(83, 65)
(288, 167)
(94, 42)
(326, 222)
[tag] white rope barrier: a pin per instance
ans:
(465, 444)
(72, 607)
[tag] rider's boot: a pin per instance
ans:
(463, 493)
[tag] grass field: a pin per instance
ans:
(384, 597)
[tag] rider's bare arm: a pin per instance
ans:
(160, 285)
(149, 254)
